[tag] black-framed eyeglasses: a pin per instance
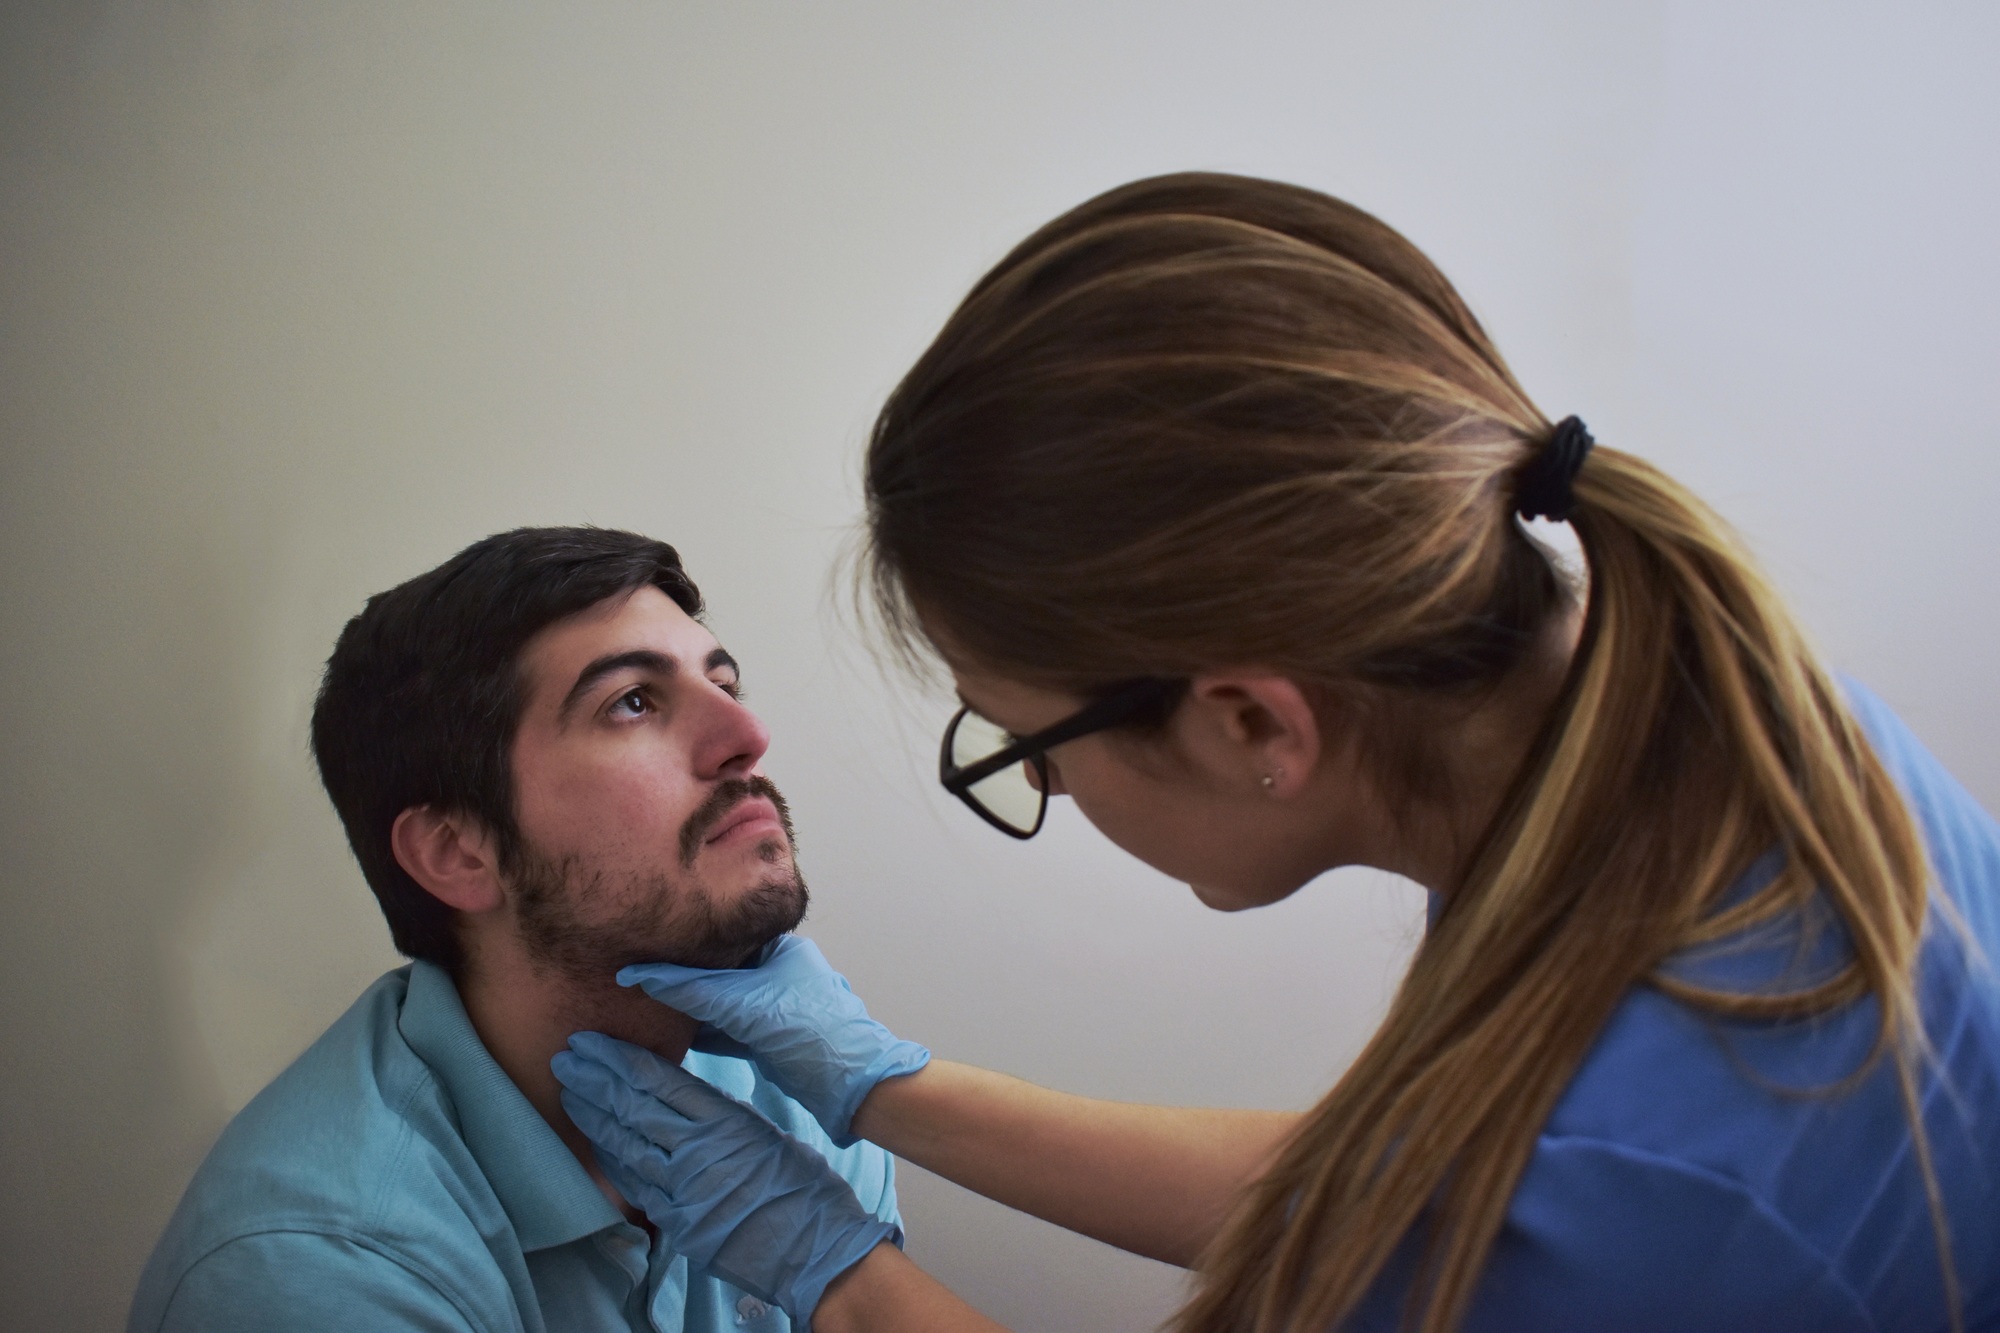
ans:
(1006, 780)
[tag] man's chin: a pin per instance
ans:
(736, 931)
(696, 924)
(773, 853)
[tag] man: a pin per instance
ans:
(545, 771)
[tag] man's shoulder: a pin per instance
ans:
(357, 1138)
(357, 1120)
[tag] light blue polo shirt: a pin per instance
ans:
(1706, 1174)
(395, 1178)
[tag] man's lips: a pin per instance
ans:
(754, 815)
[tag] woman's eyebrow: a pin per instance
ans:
(646, 659)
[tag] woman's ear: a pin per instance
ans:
(1263, 726)
(451, 856)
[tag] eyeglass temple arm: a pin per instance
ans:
(1108, 711)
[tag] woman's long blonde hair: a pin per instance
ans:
(1205, 420)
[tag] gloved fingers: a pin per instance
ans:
(634, 1065)
(658, 1206)
(631, 1186)
(792, 952)
(709, 994)
(639, 1156)
(799, 966)
(796, 963)
(662, 1100)
(607, 1083)
(672, 1116)
(693, 1098)
(586, 1078)
(699, 1199)
(667, 975)
(714, 1041)
(712, 996)
(727, 1161)
(598, 1125)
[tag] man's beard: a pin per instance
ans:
(668, 917)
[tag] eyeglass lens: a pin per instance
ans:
(1009, 795)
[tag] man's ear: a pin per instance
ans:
(451, 856)
(1268, 731)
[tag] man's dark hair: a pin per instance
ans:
(423, 694)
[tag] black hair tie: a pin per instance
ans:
(1542, 490)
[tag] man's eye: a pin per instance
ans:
(632, 703)
(732, 688)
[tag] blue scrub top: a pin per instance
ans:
(1683, 1183)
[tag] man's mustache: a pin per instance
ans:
(728, 794)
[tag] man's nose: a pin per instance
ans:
(736, 741)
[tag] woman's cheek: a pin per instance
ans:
(1145, 824)
(1121, 812)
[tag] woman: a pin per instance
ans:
(1207, 496)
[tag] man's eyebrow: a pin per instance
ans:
(644, 658)
(721, 658)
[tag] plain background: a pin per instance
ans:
(296, 299)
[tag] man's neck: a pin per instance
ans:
(524, 1016)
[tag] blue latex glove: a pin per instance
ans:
(728, 1189)
(797, 1019)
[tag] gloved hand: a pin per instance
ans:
(728, 1189)
(796, 1019)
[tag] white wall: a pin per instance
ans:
(298, 298)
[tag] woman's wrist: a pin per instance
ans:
(843, 1306)
(887, 1293)
(878, 1117)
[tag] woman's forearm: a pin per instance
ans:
(888, 1293)
(1155, 1180)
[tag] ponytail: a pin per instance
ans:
(1692, 697)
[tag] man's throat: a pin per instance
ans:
(524, 1015)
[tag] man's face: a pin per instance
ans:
(648, 829)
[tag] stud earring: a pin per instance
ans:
(1270, 781)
